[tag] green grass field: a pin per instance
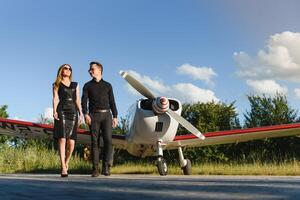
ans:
(42, 160)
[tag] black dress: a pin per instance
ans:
(66, 126)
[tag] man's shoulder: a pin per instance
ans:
(106, 83)
(88, 83)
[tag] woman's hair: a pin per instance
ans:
(59, 75)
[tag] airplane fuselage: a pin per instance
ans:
(146, 128)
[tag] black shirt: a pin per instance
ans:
(99, 95)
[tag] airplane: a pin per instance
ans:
(151, 127)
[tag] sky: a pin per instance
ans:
(192, 50)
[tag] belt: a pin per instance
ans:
(101, 111)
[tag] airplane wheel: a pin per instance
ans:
(187, 170)
(162, 166)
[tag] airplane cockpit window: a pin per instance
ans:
(174, 105)
(146, 104)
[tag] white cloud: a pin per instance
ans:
(267, 87)
(185, 92)
(48, 113)
(204, 74)
(45, 117)
(189, 93)
(279, 61)
(297, 92)
(153, 84)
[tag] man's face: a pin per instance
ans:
(95, 71)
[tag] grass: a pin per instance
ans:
(42, 160)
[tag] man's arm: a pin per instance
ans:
(84, 100)
(112, 103)
(113, 107)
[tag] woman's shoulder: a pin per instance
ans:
(74, 84)
(55, 86)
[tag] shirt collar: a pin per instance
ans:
(94, 80)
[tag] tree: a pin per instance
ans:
(211, 116)
(3, 111)
(266, 111)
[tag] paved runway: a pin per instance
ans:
(49, 186)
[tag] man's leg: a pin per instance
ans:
(95, 127)
(106, 127)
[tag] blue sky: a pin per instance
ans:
(192, 50)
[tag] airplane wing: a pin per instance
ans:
(24, 129)
(236, 136)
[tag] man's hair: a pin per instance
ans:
(98, 65)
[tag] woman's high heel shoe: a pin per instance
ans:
(64, 175)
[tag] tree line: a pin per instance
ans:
(216, 116)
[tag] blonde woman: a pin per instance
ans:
(66, 106)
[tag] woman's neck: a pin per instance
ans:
(65, 79)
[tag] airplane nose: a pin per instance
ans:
(163, 100)
(160, 105)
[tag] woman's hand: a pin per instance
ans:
(55, 116)
(81, 119)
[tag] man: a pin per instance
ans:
(100, 112)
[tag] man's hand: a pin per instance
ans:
(114, 122)
(87, 119)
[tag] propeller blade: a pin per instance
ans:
(186, 124)
(137, 85)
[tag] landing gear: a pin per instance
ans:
(162, 166)
(187, 169)
(161, 162)
(185, 164)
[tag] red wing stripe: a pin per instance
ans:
(43, 126)
(240, 131)
(47, 126)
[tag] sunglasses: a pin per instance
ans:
(68, 68)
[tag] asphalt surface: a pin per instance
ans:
(51, 186)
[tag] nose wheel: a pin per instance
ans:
(161, 163)
(162, 166)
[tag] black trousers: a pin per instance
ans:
(101, 125)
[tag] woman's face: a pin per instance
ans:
(66, 71)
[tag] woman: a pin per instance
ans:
(66, 105)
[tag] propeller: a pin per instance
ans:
(147, 93)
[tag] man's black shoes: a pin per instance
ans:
(105, 170)
(95, 173)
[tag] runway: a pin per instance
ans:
(51, 186)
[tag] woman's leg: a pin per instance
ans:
(70, 149)
(62, 154)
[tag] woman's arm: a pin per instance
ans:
(55, 102)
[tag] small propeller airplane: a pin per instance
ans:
(151, 128)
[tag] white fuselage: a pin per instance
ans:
(145, 128)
